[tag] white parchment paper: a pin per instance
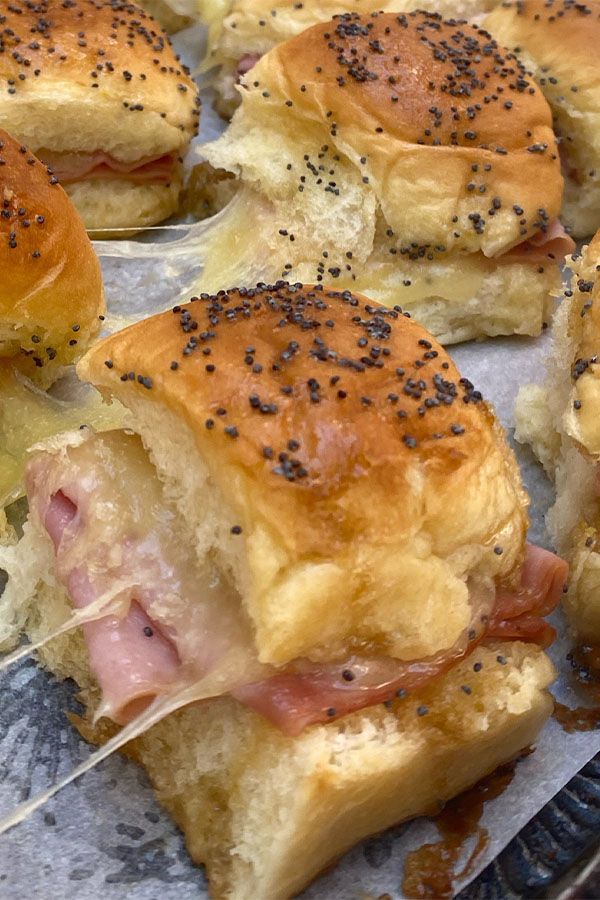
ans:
(106, 836)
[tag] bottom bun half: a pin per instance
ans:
(106, 205)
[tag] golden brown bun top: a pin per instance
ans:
(348, 419)
(418, 78)
(434, 105)
(93, 56)
(50, 286)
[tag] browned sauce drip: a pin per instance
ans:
(585, 663)
(430, 871)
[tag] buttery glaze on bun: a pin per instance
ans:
(401, 154)
(555, 39)
(241, 31)
(334, 487)
(561, 420)
(51, 294)
(95, 89)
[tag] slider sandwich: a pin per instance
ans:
(95, 90)
(241, 31)
(561, 420)
(314, 520)
(403, 155)
(51, 304)
(555, 38)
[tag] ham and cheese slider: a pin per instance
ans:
(403, 155)
(95, 90)
(313, 506)
(51, 295)
(241, 31)
(555, 38)
(561, 420)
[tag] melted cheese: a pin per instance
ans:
(230, 673)
(29, 415)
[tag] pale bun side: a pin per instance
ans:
(116, 86)
(569, 405)
(554, 38)
(51, 293)
(395, 486)
(109, 204)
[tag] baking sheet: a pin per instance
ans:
(105, 835)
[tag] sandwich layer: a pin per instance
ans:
(107, 205)
(554, 38)
(266, 814)
(569, 406)
(456, 296)
(116, 533)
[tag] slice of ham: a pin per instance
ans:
(552, 244)
(130, 651)
(247, 62)
(70, 168)
(139, 656)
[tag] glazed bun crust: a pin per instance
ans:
(51, 287)
(371, 483)
(555, 38)
(93, 75)
(435, 114)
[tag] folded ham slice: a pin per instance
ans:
(70, 168)
(553, 244)
(247, 62)
(103, 507)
